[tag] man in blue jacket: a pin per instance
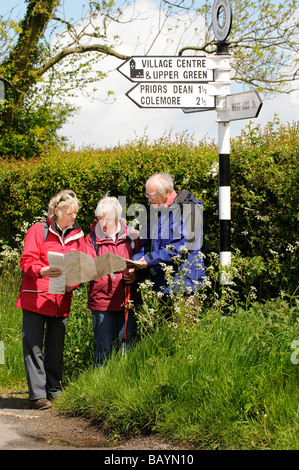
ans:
(174, 237)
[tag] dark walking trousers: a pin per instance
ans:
(43, 371)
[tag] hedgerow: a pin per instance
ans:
(264, 177)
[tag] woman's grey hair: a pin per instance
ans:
(109, 205)
(163, 181)
(65, 198)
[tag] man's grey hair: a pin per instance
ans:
(163, 181)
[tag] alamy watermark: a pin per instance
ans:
(295, 354)
(2, 92)
(178, 221)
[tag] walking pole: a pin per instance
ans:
(127, 308)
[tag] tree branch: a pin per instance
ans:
(101, 49)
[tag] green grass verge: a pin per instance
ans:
(223, 383)
(12, 374)
(227, 383)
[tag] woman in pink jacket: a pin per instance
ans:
(107, 295)
(41, 310)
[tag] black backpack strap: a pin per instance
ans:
(46, 229)
(185, 197)
(95, 244)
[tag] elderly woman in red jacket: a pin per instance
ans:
(41, 310)
(107, 295)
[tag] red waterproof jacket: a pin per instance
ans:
(107, 293)
(34, 294)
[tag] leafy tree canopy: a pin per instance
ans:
(46, 58)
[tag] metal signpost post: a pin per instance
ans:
(194, 84)
(229, 107)
(221, 21)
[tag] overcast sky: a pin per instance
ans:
(105, 125)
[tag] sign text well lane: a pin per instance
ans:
(168, 69)
(244, 105)
(171, 95)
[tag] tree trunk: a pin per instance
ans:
(19, 72)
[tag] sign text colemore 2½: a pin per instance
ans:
(171, 95)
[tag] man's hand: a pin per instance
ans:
(129, 275)
(141, 263)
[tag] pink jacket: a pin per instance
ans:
(107, 293)
(34, 294)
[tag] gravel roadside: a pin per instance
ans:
(22, 428)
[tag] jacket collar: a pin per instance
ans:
(122, 233)
(56, 229)
(171, 198)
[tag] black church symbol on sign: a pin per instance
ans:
(135, 73)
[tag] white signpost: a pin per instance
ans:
(176, 82)
(198, 83)
(171, 95)
(238, 106)
(168, 69)
(245, 105)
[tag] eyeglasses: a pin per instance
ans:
(150, 195)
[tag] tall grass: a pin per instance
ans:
(12, 371)
(78, 351)
(223, 383)
(79, 339)
(221, 379)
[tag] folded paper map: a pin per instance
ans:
(78, 267)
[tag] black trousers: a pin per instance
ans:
(43, 343)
